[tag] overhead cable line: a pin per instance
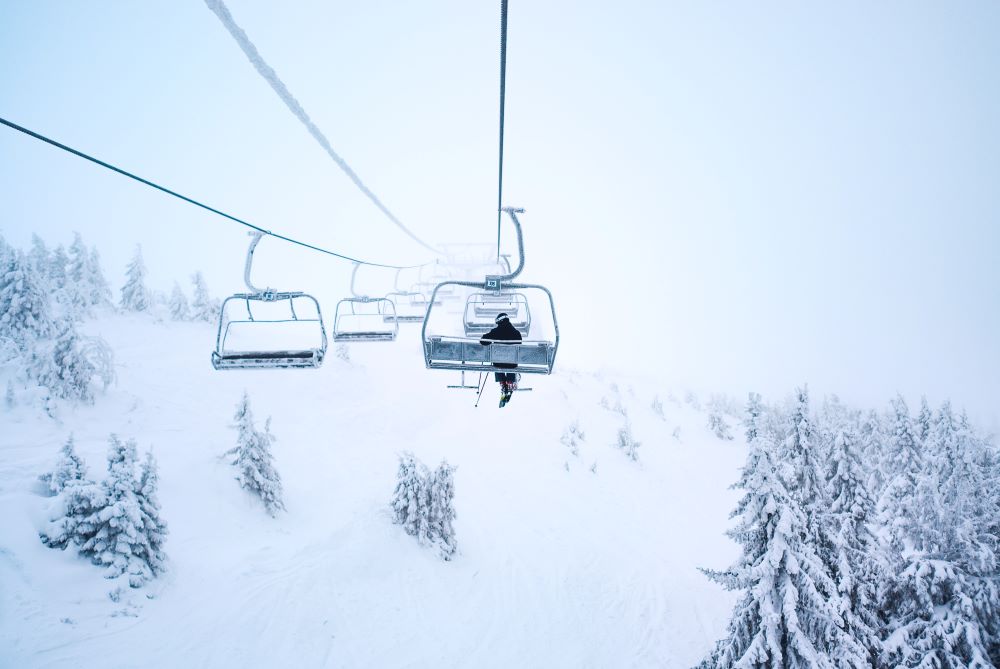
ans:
(219, 8)
(189, 200)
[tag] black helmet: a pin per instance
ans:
(501, 317)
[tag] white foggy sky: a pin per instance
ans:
(727, 195)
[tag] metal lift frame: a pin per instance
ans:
(383, 316)
(266, 359)
(469, 354)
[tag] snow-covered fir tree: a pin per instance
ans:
(787, 616)
(75, 516)
(57, 265)
(943, 601)
(752, 417)
(38, 257)
(253, 459)
(76, 292)
(410, 504)
(121, 543)
(25, 310)
(857, 569)
(902, 447)
(441, 512)
(627, 442)
(68, 469)
(135, 294)
(98, 290)
(717, 424)
(657, 407)
(924, 421)
(153, 525)
(9, 399)
(179, 309)
(870, 441)
(203, 307)
(63, 368)
(804, 463)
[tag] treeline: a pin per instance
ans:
(868, 540)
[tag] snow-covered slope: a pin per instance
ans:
(559, 565)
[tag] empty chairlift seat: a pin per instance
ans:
(269, 330)
(365, 319)
(481, 310)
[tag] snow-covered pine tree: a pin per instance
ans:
(39, 257)
(203, 307)
(943, 603)
(153, 525)
(58, 263)
(752, 417)
(64, 368)
(410, 498)
(902, 448)
(25, 310)
(626, 442)
(857, 572)
(717, 424)
(135, 294)
(785, 618)
(441, 513)
(924, 421)
(99, 292)
(120, 542)
(76, 297)
(74, 518)
(68, 469)
(253, 459)
(657, 407)
(179, 309)
(9, 398)
(803, 460)
(873, 452)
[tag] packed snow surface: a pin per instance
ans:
(586, 560)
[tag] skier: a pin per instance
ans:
(503, 331)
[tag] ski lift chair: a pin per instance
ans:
(363, 318)
(468, 353)
(229, 355)
(481, 310)
(410, 305)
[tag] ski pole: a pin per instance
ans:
(482, 387)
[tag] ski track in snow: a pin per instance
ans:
(555, 569)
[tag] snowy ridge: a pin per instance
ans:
(558, 566)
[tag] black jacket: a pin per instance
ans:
(502, 332)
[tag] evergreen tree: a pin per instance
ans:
(120, 542)
(38, 258)
(626, 442)
(924, 421)
(442, 510)
(135, 295)
(717, 424)
(25, 311)
(410, 505)
(943, 602)
(179, 309)
(8, 399)
(153, 525)
(902, 446)
(873, 452)
(63, 368)
(57, 266)
(857, 572)
(785, 618)
(98, 290)
(75, 512)
(253, 459)
(69, 469)
(203, 307)
(76, 293)
(752, 417)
